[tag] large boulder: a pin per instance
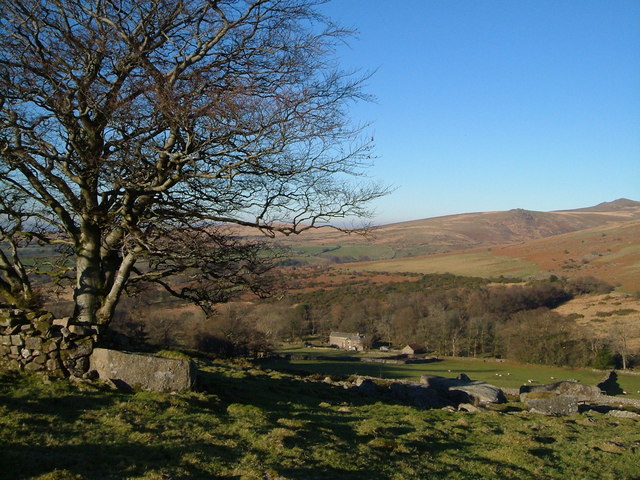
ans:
(464, 390)
(147, 372)
(582, 393)
(480, 393)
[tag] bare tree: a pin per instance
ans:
(134, 132)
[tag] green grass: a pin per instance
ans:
(248, 424)
(499, 373)
(479, 264)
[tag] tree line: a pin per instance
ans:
(448, 314)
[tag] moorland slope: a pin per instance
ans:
(600, 241)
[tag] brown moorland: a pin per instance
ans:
(610, 253)
(470, 230)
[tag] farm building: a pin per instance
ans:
(347, 341)
(413, 349)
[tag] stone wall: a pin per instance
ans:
(36, 341)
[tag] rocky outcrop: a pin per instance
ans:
(582, 393)
(623, 414)
(432, 392)
(464, 390)
(146, 372)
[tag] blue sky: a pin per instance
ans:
(493, 105)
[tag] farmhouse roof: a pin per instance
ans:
(345, 335)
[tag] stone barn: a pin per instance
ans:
(414, 349)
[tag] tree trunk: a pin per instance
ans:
(89, 281)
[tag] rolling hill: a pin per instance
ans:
(601, 241)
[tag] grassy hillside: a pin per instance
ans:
(610, 253)
(599, 241)
(475, 264)
(249, 424)
(468, 230)
(613, 315)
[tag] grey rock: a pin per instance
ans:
(623, 414)
(53, 364)
(467, 407)
(33, 343)
(12, 330)
(91, 375)
(63, 322)
(82, 348)
(80, 367)
(582, 393)
(80, 330)
(40, 358)
(49, 346)
(464, 390)
(147, 372)
(553, 405)
(33, 367)
(480, 393)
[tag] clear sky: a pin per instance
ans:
(498, 104)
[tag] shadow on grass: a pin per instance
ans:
(227, 431)
(31, 395)
(331, 435)
(112, 461)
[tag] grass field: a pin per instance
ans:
(499, 373)
(250, 424)
(475, 264)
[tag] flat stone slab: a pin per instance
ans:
(553, 405)
(147, 372)
(464, 390)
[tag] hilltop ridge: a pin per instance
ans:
(601, 241)
(480, 229)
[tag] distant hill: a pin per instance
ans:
(602, 241)
(619, 206)
(610, 253)
(470, 230)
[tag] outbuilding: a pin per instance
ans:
(414, 349)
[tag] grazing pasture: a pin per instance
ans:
(501, 373)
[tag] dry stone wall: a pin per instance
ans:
(36, 341)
